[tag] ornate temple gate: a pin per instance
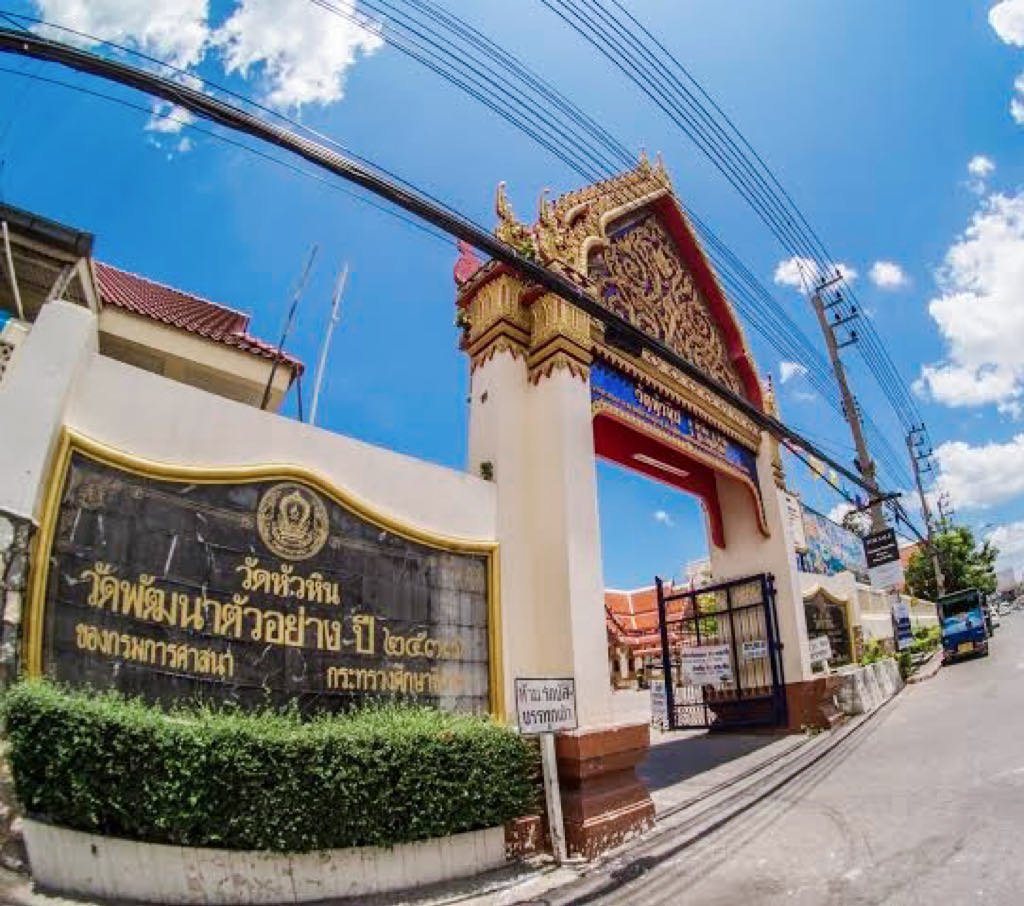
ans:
(551, 391)
(722, 659)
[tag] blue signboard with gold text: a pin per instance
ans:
(613, 389)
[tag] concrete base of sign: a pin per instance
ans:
(603, 801)
(75, 863)
(812, 703)
(865, 688)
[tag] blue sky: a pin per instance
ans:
(869, 113)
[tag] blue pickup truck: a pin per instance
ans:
(962, 618)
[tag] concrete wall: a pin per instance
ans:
(89, 865)
(749, 551)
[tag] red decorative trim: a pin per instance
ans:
(679, 229)
(619, 443)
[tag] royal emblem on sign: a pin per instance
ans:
(292, 521)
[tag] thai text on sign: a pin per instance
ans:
(545, 705)
(707, 665)
(254, 592)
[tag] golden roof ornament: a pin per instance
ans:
(509, 229)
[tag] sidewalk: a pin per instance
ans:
(697, 781)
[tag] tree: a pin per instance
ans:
(858, 522)
(964, 564)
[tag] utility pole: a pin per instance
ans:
(339, 291)
(917, 456)
(864, 463)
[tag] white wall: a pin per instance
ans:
(163, 420)
(39, 381)
(748, 552)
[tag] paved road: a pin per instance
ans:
(925, 804)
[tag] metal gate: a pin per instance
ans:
(721, 656)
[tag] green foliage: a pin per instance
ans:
(905, 662)
(926, 640)
(270, 781)
(874, 651)
(964, 564)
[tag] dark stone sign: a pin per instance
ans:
(829, 618)
(257, 592)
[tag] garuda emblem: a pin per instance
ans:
(292, 521)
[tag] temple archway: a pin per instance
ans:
(552, 390)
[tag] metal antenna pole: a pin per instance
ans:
(865, 464)
(933, 551)
(288, 325)
(339, 291)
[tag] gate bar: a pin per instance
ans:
(666, 655)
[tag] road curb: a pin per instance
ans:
(617, 869)
(928, 669)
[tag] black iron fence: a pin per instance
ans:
(721, 656)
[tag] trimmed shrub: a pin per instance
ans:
(267, 781)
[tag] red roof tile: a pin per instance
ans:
(182, 310)
(631, 617)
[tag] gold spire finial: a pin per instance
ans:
(509, 228)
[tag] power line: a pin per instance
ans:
(220, 112)
(652, 71)
(418, 45)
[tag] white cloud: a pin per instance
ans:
(981, 311)
(839, 511)
(1017, 101)
(1009, 539)
(981, 166)
(301, 51)
(980, 169)
(664, 518)
(887, 275)
(1007, 19)
(171, 30)
(789, 370)
(803, 273)
(976, 477)
(168, 118)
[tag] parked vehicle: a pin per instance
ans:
(962, 616)
(993, 617)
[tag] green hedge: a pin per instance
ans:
(272, 781)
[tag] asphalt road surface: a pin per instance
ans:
(924, 804)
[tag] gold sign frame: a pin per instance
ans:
(71, 442)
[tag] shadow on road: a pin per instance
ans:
(679, 759)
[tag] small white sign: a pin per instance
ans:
(754, 649)
(707, 665)
(888, 575)
(821, 649)
(545, 705)
(659, 704)
(794, 513)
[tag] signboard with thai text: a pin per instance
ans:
(545, 705)
(754, 649)
(883, 556)
(707, 665)
(613, 389)
(257, 592)
(820, 649)
(659, 705)
(902, 627)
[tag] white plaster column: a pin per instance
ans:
(33, 397)
(748, 551)
(498, 441)
(538, 440)
(566, 541)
